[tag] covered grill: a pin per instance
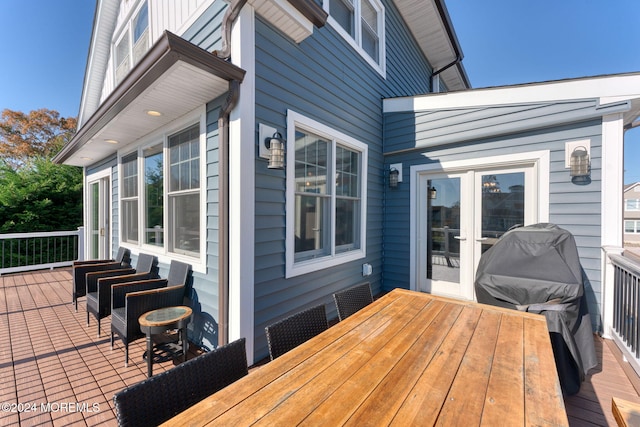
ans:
(536, 268)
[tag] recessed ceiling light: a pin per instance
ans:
(86, 158)
(154, 113)
(111, 141)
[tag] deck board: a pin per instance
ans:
(50, 354)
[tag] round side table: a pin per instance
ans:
(159, 321)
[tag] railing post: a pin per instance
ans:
(607, 289)
(80, 243)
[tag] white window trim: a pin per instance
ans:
(164, 256)
(356, 43)
(294, 268)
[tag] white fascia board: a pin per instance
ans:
(609, 89)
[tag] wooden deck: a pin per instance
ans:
(57, 372)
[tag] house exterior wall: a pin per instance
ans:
(632, 214)
(576, 208)
(324, 79)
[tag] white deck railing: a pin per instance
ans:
(626, 308)
(35, 251)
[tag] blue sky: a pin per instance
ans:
(45, 46)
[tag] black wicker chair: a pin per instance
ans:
(99, 285)
(131, 300)
(352, 299)
(81, 268)
(158, 398)
(289, 333)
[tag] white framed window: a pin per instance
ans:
(632, 205)
(632, 226)
(132, 43)
(326, 196)
(161, 191)
(362, 24)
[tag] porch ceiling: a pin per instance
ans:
(173, 78)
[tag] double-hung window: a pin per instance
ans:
(160, 190)
(632, 205)
(326, 196)
(129, 197)
(133, 42)
(632, 226)
(361, 23)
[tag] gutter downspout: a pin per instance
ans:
(223, 175)
(444, 16)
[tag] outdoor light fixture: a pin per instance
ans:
(394, 174)
(275, 144)
(579, 163)
(433, 193)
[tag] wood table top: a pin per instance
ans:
(409, 358)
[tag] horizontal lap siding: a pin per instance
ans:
(573, 207)
(324, 79)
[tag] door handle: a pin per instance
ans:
(460, 237)
(102, 232)
(481, 239)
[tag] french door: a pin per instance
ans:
(98, 219)
(460, 215)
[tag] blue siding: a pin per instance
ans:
(573, 207)
(324, 79)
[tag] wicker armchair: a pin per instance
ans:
(289, 333)
(131, 300)
(81, 268)
(158, 398)
(99, 285)
(352, 299)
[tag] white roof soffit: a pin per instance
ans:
(295, 18)
(174, 78)
(608, 90)
(431, 26)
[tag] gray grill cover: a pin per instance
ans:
(536, 268)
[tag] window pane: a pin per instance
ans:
(347, 171)
(370, 30)
(122, 49)
(629, 227)
(184, 154)
(347, 224)
(154, 196)
(130, 221)
(140, 23)
(130, 175)
(343, 12)
(185, 224)
(632, 204)
(311, 163)
(311, 226)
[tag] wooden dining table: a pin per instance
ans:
(409, 358)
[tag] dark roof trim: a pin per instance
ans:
(448, 26)
(312, 11)
(166, 52)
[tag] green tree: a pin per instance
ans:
(40, 196)
(35, 193)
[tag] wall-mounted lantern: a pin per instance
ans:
(433, 193)
(393, 177)
(275, 144)
(579, 167)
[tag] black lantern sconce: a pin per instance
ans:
(394, 174)
(579, 164)
(275, 145)
(433, 193)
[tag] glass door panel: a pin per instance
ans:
(502, 205)
(94, 221)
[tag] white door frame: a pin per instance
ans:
(103, 179)
(539, 160)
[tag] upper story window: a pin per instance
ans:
(632, 227)
(326, 196)
(133, 43)
(632, 205)
(361, 23)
